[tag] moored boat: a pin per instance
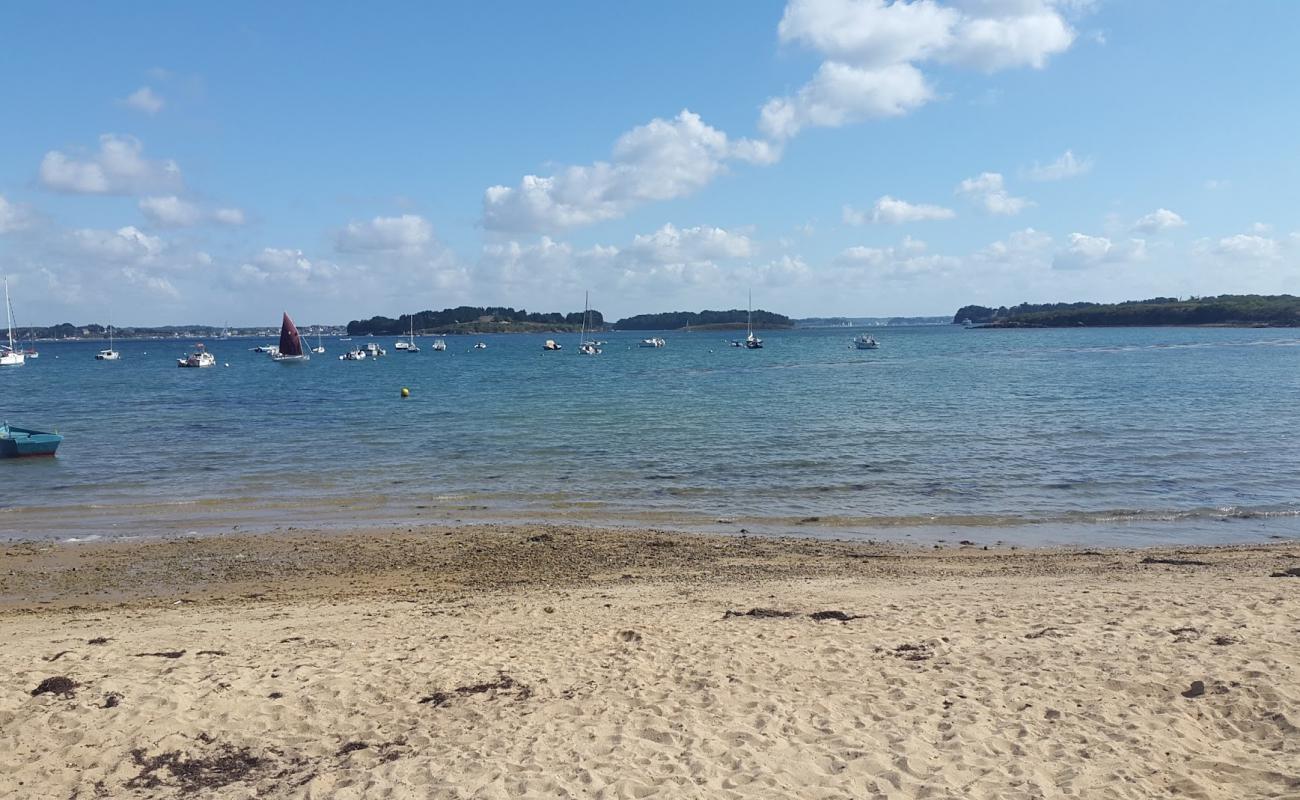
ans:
(375, 351)
(551, 344)
(355, 354)
(199, 358)
(653, 341)
(10, 356)
(289, 350)
(587, 347)
(865, 342)
(483, 346)
(18, 442)
(109, 354)
(750, 342)
(439, 344)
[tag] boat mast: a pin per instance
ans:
(9, 312)
(586, 304)
(749, 317)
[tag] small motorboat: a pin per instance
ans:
(653, 341)
(439, 345)
(865, 342)
(18, 442)
(551, 344)
(588, 349)
(199, 358)
(400, 345)
(483, 346)
(375, 351)
(355, 354)
(264, 348)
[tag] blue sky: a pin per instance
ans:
(169, 163)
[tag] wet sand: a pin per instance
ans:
(508, 661)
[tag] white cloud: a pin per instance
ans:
(1158, 221)
(988, 191)
(170, 211)
(407, 232)
(1248, 247)
(840, 94)
(670, 244)
(127, 245)
(1067, 166)
(1026, 248)
(281, 266)
(909, 260)
(892, 211)
(118, 168)
(872, 48)
(13, 217)
(1084, 251)
(144, 99)
(661, 160)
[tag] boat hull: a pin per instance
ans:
(24, 443)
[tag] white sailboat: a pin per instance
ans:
(410, 344)
(586, 347)
(750, 342)
(110, 354)
(319, 348)
(10, 356)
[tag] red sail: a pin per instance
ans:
(290, 342)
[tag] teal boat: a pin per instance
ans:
(21, 442)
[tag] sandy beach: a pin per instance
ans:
(564, 662)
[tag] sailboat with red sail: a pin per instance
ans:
(290, 350)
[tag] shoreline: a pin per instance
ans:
(557, 661)
(298, 563)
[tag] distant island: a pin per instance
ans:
(1242, 310)
(867, 322)
(68, 331)
(703, 320)
(475, 319)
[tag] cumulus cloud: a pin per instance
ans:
(987, 190)
(908, 260)
(872, 48)
(118, 168)
(661, 160)
(1026, 248)
(701, 243)
(407, 232)
(1158, 221)
(1248, 247)
(126, 245)
(170, 211)
(892, 211)
(1083, 252)
(1067, 166)
(229, 216)
(144, 99)
(284, 266)
(13, 217)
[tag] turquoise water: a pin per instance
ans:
(1106, 436)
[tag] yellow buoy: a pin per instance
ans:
(406, 392)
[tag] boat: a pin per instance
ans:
(551, 344)
(480, 346)
(409, 346)
(439, 344)
(265, 348)
(399, 345)
(355, 354)
(110, 354)
(587, 347)
(290, 348)
(865, 342)
(18, 442)
(374, 351)
(653, 341)
(750, 342)
(319, 348)
(10, 356)
(199, 358)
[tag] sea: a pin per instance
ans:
(1074, 437)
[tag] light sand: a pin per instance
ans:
(973, 674)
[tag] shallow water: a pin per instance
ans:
(1082, 436)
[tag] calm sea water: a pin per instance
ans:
(1088, 436)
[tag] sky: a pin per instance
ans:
(171, 163)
